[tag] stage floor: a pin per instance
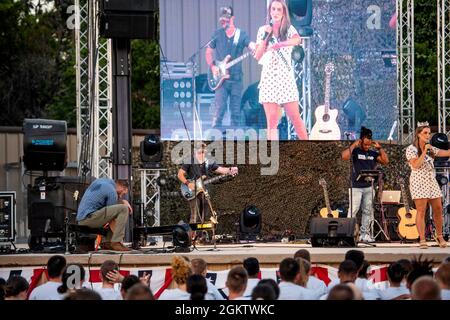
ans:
(227, 255)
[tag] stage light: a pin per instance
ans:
(442, 180)
(181, 240)
(440, 141)
(151, 150)
(250, 222)
(300, 12)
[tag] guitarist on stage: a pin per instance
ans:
(228, 40)
(197, 168)
(364, 158)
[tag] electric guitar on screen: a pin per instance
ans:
(326, 127)
(216, 81)
(407, 228)
(327, 212)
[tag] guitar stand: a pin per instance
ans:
(213, 220)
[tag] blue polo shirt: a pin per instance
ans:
(101, 193)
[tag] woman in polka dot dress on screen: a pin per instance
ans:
(277, 87)
(422, 182)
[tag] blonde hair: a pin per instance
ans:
(285, 21)
(181, 269)
(305, 267)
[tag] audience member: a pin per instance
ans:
(289, 274)
(341, 292)
(181, 270)
(68, 275)
(395, 275)
(273, 284)
(197, 287)
(363, 272)
(407, 267)
(49, 290)
(16, 288)
(252, 266)
(443, 279)
(419, 268)
(139, 291)
(107, 291)
(237, 283)
(127, 282)
(264, 291)
(83, 294)
(425, 288)
(199, 266)
(314, 283)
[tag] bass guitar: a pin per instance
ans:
(216, 81)
(327, 212)
(407, 228)
(326, 127)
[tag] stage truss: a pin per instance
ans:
(94, 95)
(405, 70)
(443, 53)
(150, 196)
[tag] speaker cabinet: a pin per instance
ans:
(331, 232)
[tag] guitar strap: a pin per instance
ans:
(237, 35)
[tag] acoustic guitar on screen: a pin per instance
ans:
(326, 127)
(407, 228)
(327, 212)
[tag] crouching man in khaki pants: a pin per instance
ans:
(102, 204)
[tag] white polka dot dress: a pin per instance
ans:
(422, 181)
(277, 83)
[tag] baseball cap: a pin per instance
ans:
(226, 12)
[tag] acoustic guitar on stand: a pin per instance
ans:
(407, 228)
(326, 127)
(327, 212)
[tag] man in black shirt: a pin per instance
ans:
(364, 159)
(232, 41)
(199, 167)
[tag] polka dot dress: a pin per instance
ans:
(277, 83)
(422, 182)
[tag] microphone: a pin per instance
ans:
(429, 150)
(266, 34)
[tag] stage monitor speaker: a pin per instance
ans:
(333, 232)
(44, 144)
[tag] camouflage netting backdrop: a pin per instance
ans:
(287, 200)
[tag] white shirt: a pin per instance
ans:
(366, 287)
(251, 284)
(445, 294)
(392, 292)
(316, 285)
(291, 291)
(47, 291)
(213, 293)
(109, 294)
(174, 294)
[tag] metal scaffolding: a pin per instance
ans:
(94, 105)
(443, 53)
(150, 196)
(405, 69)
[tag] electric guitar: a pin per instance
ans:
(407, 228)
(216, 81)
(326, 127)
(327, 212)
(200, 183)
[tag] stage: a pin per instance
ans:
(228, 255)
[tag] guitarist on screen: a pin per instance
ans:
(228, 41)
(198, 168)
(364, 158)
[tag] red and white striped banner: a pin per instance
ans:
(162, 277)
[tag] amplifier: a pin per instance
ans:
(7, 216)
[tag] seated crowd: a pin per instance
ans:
(407, 279)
